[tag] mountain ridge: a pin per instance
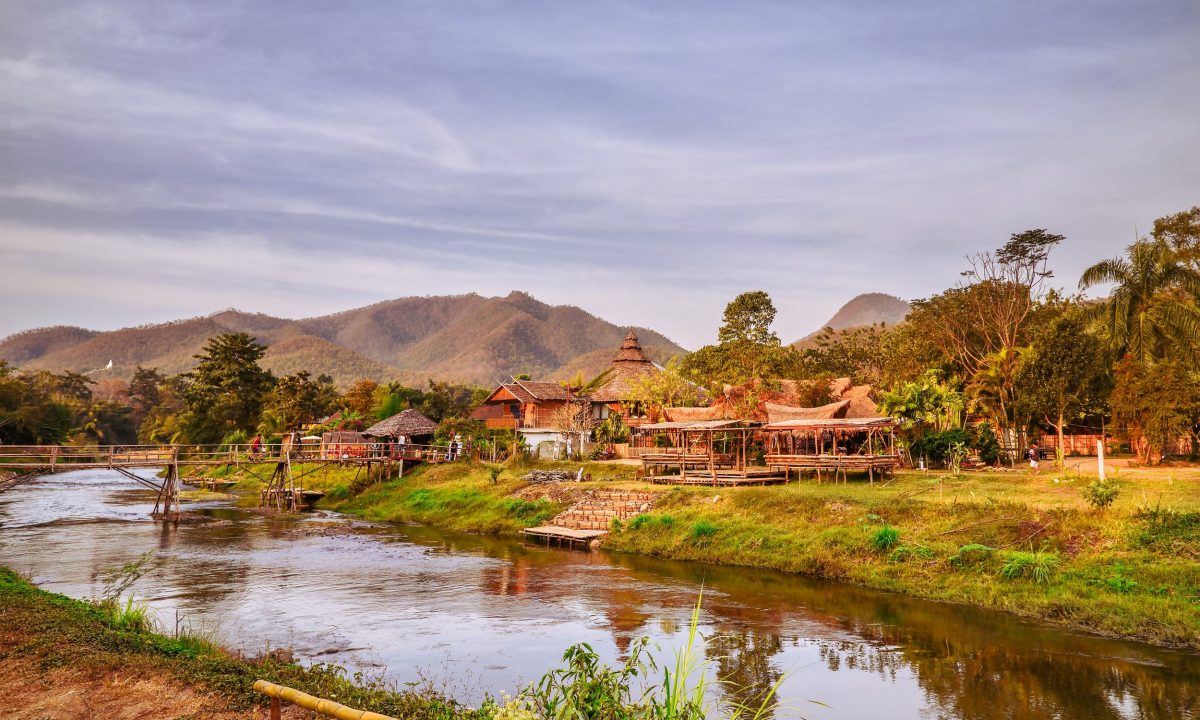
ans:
(460, 338)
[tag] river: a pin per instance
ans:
(477, 614)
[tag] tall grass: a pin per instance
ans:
(587, 689)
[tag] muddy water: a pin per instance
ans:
(485, 615)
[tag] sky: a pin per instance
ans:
(645, 161)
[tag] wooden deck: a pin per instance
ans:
(554, 535)
(747, 476)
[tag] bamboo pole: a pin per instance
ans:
(328, 708)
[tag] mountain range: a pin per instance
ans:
(460, 338)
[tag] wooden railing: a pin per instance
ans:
(280, 694)
(63, 457)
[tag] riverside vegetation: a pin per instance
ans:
(1119, 561)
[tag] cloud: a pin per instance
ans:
(645, 163)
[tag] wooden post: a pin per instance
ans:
(276, 713)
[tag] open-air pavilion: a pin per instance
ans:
(834, 445)
(705, 452)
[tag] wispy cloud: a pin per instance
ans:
(644, 161)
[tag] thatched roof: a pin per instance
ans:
(694, 414)
(629, 366)
(777, 413)
(406, 422)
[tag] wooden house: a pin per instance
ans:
(523, 405)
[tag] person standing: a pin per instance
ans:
(1034, 455)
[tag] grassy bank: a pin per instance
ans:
(51, 642)
(1000, 540)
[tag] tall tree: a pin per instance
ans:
(1151, 313)
(296, 400)
(226, 390)
(746, 346)
(1063, 374)
(1153, 404)
(983, 324)
(1182, 232)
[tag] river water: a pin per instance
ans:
(480, 615)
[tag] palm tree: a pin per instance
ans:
(1151, 313)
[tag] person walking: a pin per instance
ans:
(1034, 455)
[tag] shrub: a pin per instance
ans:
(615, 525)
(970, 554)
(1038, 566)
(985, 441)
(702, 530)
(885, 538)
(1100, 493)
(638, 522)
(338, 492)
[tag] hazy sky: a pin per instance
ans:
(645, 161)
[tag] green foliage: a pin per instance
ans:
(1039, 566)
(1119, 582)
(665, 389)
(885, 538)
(227, 388)
(1152, 404)
(938, 448)
(859, 353)
(47, 408)
(702, 530)
(1063, 374)
(971, 554)
(747, 348)
(983, 439)
(1151, 312)
(531, 512)
(924, 405)
(338, 492)
(1100, 493)
(587, 689)
(296, 400)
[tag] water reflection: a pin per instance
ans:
(491, 614)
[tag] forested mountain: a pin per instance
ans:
(460, 338)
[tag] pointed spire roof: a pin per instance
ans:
(631, 350)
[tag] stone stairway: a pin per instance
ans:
(596, 512)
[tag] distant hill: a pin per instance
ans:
(867, 309)
(461, 338)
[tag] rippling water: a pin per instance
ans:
(486, 615)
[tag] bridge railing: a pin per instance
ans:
(59, 456)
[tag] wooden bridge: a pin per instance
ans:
(27, 462)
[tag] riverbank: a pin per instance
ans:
(64, 658)
(1001, 540)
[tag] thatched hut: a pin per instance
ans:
(410, 424)
(629, 367)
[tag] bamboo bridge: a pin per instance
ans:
(27, 462)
